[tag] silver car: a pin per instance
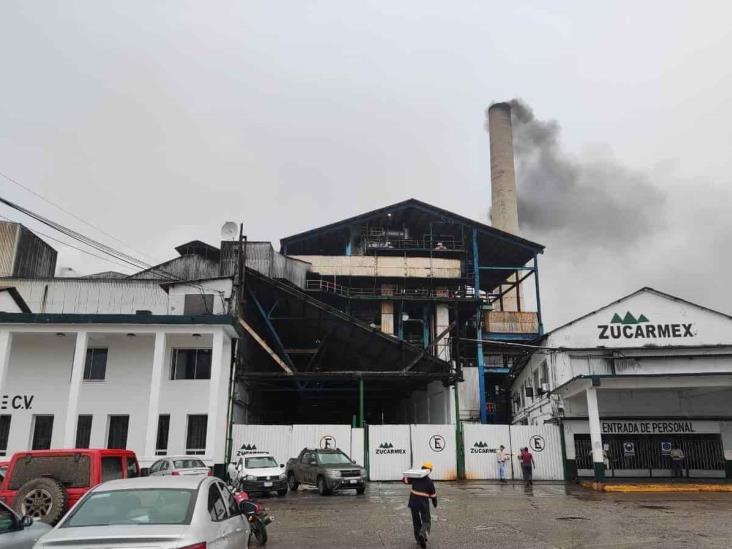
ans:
(178, 466)
(191, 512)
(19, 532)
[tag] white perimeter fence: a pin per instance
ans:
(392, 449)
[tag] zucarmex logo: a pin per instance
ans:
(632, 327)
(388, 448)
(247, 449)
(481, 447)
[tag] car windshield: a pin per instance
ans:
(260, 462)
(144, 506)
(333, 458)
(188, 463)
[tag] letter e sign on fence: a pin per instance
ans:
(437, 443)
(537, 443)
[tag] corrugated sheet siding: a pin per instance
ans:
(8, 235)
(187, 267)
(435, 443)
(33, 258)
(386, 459)
(512, 322)
(548, 460)
(275, 439)
(481, 442)
(262, 258)
(92, 296)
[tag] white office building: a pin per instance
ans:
(630, 381)
(116, 363)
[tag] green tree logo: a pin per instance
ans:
(628, 319)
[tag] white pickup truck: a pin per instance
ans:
(258, 473)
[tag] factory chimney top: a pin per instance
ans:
(504, 208)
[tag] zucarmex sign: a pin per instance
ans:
(481, 447)
(388, 448)
(640, 327)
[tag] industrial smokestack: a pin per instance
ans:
(504, 208)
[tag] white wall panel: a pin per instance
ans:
(481, 442)
(390, 451)
(357, 446)
(548, 459)
(320, 436)
(275, 439)
(435, 443)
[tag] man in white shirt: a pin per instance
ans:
(502, 456)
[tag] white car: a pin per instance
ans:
(191, 512)
(178, 466)
(258, 473)
(18, 532)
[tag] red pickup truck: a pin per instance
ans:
(46, 483)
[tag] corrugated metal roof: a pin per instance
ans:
(90, 296)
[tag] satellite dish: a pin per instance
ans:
(229, 230)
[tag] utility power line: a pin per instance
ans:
(121, 256)
(28, 189)
(71, 245)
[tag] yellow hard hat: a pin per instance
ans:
(427, 465)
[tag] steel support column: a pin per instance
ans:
(361, 407)
(479, 327)
(459, 436)
(538, 297)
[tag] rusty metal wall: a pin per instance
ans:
(33, 257)
(187, 267)
(262, 258)
(8, 240)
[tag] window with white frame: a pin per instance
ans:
(191, 364)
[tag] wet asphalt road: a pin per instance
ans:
(483, 514)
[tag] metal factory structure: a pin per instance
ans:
(396, 300)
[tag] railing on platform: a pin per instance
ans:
(452, 292)
(386, 243)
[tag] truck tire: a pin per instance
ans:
(43, 499)
(322, 487)
(292, 484)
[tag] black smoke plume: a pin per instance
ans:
(590, 202)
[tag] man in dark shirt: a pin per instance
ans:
(423, 490)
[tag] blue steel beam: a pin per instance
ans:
(271, 329)
(479, 328)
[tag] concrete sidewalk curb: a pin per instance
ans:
(660, 487)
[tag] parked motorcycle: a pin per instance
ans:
(257, 516)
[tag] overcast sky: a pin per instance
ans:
(158, 121)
